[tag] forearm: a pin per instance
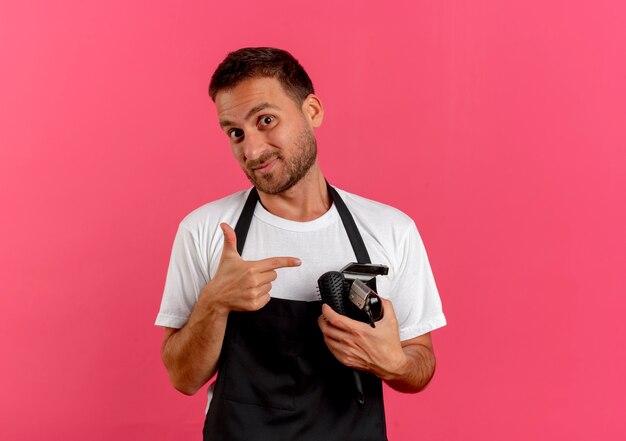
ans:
(416, 372)
(191, 353)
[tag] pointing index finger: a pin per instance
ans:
(272, 263)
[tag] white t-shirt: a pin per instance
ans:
(322, 245)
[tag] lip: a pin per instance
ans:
(265, 168)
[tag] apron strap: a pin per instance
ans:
(243, 223)
(362, 256)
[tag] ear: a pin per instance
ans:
(313, 110)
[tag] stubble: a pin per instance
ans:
(295, 167)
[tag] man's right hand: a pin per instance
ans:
(242, 285)
(191, 353)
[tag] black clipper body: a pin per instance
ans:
(350, 292)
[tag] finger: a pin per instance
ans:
(335, 319)
(345, 323)
(230, 242)
(263, 290)
(386, 303)
(323, 324)
(388, 311)
(273, 263)
(263, 299)
(331, 333)
(266, 277)
(255, 302)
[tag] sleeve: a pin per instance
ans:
(414, 294)
(186, 275)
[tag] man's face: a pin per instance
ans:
(269, 133)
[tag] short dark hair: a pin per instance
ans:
(260, 62)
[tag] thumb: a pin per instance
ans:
(230, 242)
(388, 311)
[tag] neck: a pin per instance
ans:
(305, 201)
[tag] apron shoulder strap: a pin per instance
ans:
(243, 223)
(362, 256)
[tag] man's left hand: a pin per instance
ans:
(356, 344)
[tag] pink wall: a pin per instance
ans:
(499, 126)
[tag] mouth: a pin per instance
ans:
(265, 167)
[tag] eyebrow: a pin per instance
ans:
(251, 112)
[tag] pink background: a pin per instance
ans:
(499, 126)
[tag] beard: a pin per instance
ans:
(295, 168)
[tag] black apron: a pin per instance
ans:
(278, 381)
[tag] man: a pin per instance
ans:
(244, 304)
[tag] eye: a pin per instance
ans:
(235, 134)
(266, 121)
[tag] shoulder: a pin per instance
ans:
(210, 215)
(376, 215)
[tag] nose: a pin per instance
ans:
(253, 145)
